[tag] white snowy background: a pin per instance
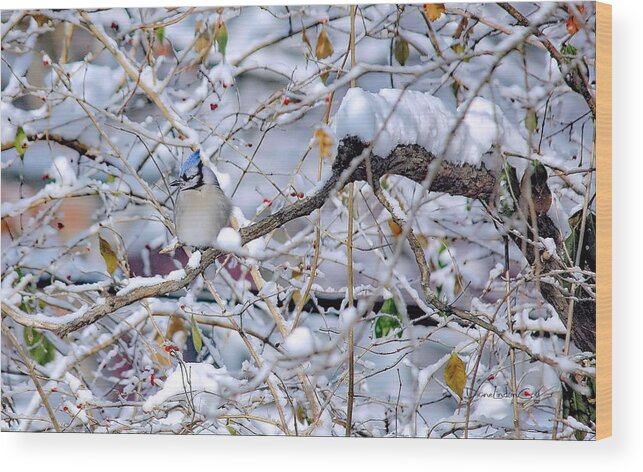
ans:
(253, 112)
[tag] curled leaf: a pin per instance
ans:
(433, 11)
(109, 256)
(572, 25)
(197, 341)
(325, 142)
(203, 43)
(394, 227)
(304, 39)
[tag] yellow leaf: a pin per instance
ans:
(423, 240)
(300, 413)
(433, 11)
(394, 227)
(203, 43)
(111, 260)
(197, 341)
(455, 375)
(325, 142)
(305, 40)
(174, 326)
(324, 47)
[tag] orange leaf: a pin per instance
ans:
(325, 142)
(394, 227)
(572, 25)
(433, 11)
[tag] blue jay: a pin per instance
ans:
(201, 209)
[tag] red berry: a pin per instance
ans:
(225, 86)
(152, 380)
(167, 348)
(527, 393)
(182, 307)
(300, 194)
(267, 200)
(286, 101)
(213, 106)
(175, 348)
(45, 177)
(69, 277)
(327, 99)
(45, 62)
(65, 408)
(54, 389)
(293, 194)
(114, 26)
(80, 406)
(60, 225)
(308, 267)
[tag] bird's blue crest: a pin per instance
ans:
(191, 161)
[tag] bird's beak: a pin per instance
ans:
(175, 183)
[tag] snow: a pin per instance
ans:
(62, 170)
(195, 260)
(206, 386)
(393, 117)
(229, 240)
(138, 282)
(348, 317)
(300, 342)
(82, 394)
(223, 73)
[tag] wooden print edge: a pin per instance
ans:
(604, 220)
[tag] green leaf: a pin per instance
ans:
(458, 48)
(388, 321)
(232, 431)
(401, 49)
(531, 120)
(20, 142)
(444, 247)
(568, 51)
(40, 348)
(111, 179)
(160, 34)
(109, 256)
(221, 36)
(197, 342)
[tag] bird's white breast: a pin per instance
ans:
(199, 215)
